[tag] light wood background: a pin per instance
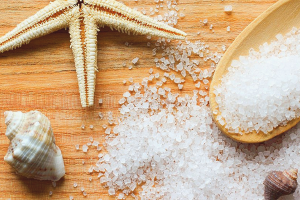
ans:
(41, 76)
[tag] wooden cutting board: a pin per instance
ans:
(41, 76)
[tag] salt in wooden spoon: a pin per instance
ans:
(279, 18)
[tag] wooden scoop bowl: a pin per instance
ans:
(279, 18)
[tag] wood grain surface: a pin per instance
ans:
(41, 76)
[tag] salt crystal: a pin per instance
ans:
(77, 146)
(95, 143)
(126, 94)
(100, 101)
(135, 60)
(50, 193)
(91, 169)
(100, 114)
(111, 191)
(54, 184)
(85, 148)
(228, 28)
(107, 131)
(228, 9)
(75, 185)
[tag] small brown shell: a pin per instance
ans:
(279, 183)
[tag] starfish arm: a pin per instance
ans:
(53, 17)
(124, 19)
(78, 48)
(90, 31)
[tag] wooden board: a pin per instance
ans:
(41, 76)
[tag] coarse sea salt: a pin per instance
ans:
(261, 91)
(188, 158)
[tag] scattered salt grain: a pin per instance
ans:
(54, 184)
(77, 146)
(121, 196)
(91, 127)
(91, 169)
(228, 9)
(107, 131)
(85, 148)
(111, 192)
(50, 193)
(205, 21)
(84, 193)
(71, 198)
(100, 114)
(75, 185)
(82, 127)
(100, 101)
(180, 86)
(228, 28)
(95, 143)
(126, 94)
(135, 60)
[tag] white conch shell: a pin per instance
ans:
(32, 151)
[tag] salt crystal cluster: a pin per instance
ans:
(261, 91)
(170, 146)
(173, 150)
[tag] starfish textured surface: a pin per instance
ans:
(83, 17)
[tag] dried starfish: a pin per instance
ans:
(83, 17)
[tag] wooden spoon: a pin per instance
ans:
(279, 18)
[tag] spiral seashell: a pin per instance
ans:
(32, 150)
(279, 183)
